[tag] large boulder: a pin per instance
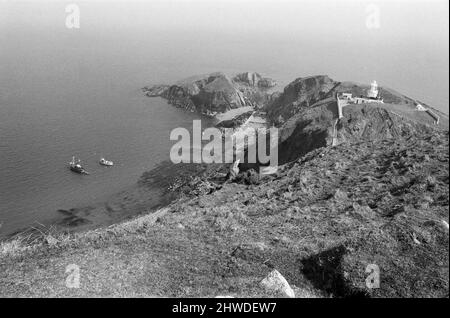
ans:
(276, 283)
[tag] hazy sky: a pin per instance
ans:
(407, 49)
(425, 21)
(397, 18)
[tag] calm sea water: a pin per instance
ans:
(65, 93)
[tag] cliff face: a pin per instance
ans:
(318, 127)
(214, 93)
(254, 79)
(301, 93)
(306, 114)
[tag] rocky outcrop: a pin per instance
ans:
(156, 90)
(213, 93)
(317, 127)
(306, 113)
(301, 93)
(255, 80)
(207, 94)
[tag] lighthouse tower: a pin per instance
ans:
(373, 91)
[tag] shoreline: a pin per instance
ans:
(131, 202)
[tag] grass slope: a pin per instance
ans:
(319, 221)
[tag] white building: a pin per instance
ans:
(420, 108)
(345, 99)
(373, 91)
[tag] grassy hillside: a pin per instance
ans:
(320, 221)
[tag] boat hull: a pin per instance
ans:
(78, 170)
(106, 163)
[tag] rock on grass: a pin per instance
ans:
(275, 282)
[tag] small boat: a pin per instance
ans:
(105, 162)
(76, 166)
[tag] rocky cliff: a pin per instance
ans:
(301, 93)
(254, 80)
(306, 113)
(214, 93)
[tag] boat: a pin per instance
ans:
(76, 166)
(105, 162)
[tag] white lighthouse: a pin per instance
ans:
(373, 91)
